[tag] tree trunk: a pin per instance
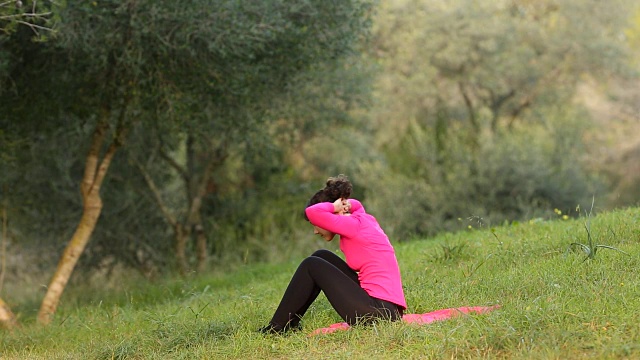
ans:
(94, 173)
(195, 191)
(70, 258)
(201, 248)
(182, 235)
(7, 318)
(5, 240)
(195, 215)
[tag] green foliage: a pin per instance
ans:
(475, 108)
(40, 187)
(552, 306)
(519, 175)
(195, 82)
(487, 64)
(246, 231)
(230, 48)
(36, 16)
(43, 198)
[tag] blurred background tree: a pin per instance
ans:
(477, 107)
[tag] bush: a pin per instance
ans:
(522, 174)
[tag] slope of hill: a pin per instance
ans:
(556, 302)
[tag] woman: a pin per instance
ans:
(367, 286)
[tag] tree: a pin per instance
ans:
(487, 63)
(227, 119)
(116, 65)
(7, 318)
(459, 79)
(195, 176)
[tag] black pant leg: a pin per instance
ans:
(314, 274)
(336, 261)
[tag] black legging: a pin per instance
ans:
(326, 271)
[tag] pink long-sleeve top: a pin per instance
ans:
(366, 248)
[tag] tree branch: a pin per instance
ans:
(496, 104)
(469, 104)
(121, 132)
(174, 164)
(156, 194)
(537, 89)
(216, 159)
(26, 18)
(91, 164)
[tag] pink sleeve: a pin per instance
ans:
(356, 206)
(322, 215)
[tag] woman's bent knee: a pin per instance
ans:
(312, 262)
(322, 253)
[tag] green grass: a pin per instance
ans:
(555, 305)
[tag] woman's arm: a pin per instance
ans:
(323, 215)
(356, 206)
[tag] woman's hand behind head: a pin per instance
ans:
(341, 206)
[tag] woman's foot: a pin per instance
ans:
(271, 329)
(276, 329)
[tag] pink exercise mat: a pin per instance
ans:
(425, 318)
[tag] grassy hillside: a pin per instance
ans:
(554, 305)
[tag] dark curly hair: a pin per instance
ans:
(336, 187)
